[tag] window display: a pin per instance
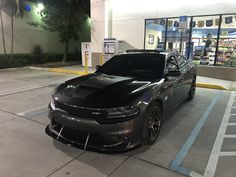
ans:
(207, 40)
(177, 35)
(204, 37)
(226, 55)
(155, 33)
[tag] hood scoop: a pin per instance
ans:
(100, 81)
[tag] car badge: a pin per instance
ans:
(96, 113)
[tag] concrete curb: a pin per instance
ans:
(60, 70)
(38, 68)
(57, 70)
(211, 86)
(82, 73)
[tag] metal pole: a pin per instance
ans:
(190, 38)
(218, 37)
(166, 33)
(145, 30)
(181, 43)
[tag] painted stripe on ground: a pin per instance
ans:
(34, 112)
(210, 86)
(228, 153)
(229, 136)
(231, 124)
(32, 87)
(60, 70)
(215, 153)
(176, 163)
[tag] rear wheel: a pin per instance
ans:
(152, 124)
(192, 90)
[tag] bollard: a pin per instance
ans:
(86, 63)
(101, 60)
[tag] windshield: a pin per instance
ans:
(148, 66)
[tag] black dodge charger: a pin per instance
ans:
(122, 104)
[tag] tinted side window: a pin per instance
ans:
(181, 61)
(172, 64)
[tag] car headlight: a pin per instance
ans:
(122, 112)
(52, 105)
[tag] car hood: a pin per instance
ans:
(101, 90)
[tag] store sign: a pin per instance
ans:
(217, 21)
(200, 23)
(183, 18)
(170, 23)
(209, 23)
(183, 23)
(228, 20)
(109, 47)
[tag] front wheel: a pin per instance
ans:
(192, 90)
(152, 124)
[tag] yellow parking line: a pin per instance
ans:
(210, 86)
(60, 70)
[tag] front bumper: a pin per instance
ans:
(89, 134)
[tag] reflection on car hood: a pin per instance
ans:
(101, 89)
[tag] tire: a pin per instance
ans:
(192, 90)
(152, 124)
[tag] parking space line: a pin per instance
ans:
(231, 124)
(215, 153)
(32, 87)
(233, 153)
(229, 136)
(176, 163)
(194, 174)
(34, 109)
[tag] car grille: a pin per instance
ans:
(81, 111)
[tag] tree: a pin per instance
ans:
(10, 8)
(65, 17)
(2, 27)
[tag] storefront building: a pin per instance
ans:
(209, 37)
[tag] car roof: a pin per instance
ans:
(140, 51)
(157, 52)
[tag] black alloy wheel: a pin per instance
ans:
(192, 90)
(152, 124)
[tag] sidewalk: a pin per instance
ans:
(204, 82)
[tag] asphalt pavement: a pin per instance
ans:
(197, 139)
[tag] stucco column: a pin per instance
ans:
(108, 18)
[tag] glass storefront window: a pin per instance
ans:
(227, 41)
(177, 39)
(204, 38)
(207, 40)
(155, 34)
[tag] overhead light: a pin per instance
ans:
(40, 6)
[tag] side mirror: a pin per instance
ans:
(98, 67)
(173, 73)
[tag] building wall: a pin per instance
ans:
(26, 36)
(128, 16)
(98, 24)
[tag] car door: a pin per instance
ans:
(172, 82)
(175, 81)
(183, 80)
